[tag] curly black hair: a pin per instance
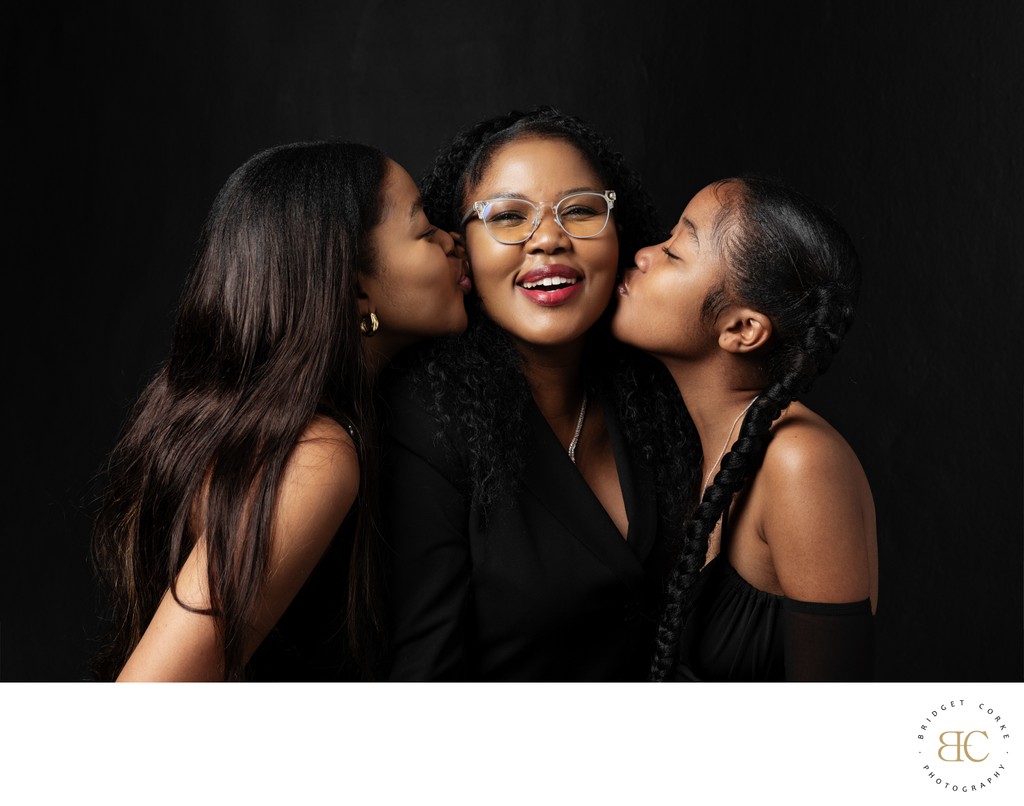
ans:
(462, 163)
(475, 380)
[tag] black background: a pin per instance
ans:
(904, 117)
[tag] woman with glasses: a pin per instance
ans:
(242, 492)
(745, 303)
(521, 489)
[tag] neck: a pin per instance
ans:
(715, 393)
(378, 350)
(554, 377)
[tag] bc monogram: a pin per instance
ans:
(962, 745)
(972, 746)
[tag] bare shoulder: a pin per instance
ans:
(806, 449)
(323, 459)
(325, 444)
(319, 484)
(818, 515)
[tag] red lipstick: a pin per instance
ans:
(550, 285)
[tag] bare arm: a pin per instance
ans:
(818, 519)
(819, 524)
(318, 487)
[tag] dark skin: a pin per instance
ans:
(804, 527)
(549, 324)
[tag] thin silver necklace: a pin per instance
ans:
(579, 429)
(728, 437)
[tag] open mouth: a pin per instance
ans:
(550, 285)
(549, 282)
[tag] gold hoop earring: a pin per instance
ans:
(369, 324)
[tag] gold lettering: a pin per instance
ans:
(944, 744)
(967, 740)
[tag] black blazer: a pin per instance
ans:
(550, 591)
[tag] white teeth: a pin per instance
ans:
(551, 281)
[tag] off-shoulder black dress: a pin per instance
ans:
(738, 632)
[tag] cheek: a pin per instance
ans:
(658, 317)
(409, 280)
(434, 284)
(602, 258)
(491, 267)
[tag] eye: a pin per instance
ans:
(506, 217)
(507, 213)
(668, 254)
(429, 233)
(579, 212)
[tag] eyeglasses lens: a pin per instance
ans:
(581, 215)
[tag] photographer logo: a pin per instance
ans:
(964, 746)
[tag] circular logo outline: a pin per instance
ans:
(963, 745)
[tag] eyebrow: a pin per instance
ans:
(692, 228)
(511, 194)
(415, 208)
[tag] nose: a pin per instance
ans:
(549, 236)
(643, 258)
(445, 241)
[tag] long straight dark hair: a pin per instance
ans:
(266, 337)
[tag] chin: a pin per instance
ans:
(620, 330)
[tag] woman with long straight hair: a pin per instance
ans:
(241, 496)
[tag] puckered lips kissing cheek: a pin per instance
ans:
(550, 285)
(457, 257)
(623, 284)
(463, 277)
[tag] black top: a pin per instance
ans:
(548, 591)
(309, 642)
(738, 632)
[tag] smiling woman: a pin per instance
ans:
(526, 543)
(545, 286)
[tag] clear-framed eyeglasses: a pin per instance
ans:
(511, 221)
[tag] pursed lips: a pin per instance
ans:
(623, 284)
(462, 278)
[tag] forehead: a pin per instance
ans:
(398, 195)
(397, 182)
(538, 168)
(706, 206)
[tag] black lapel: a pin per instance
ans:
(553, 480)
(638, 491)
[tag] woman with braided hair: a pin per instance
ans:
(524, 455)
(745, 303)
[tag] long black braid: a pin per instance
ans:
(790, 259)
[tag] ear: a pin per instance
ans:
(743, 330)
(366, 306)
